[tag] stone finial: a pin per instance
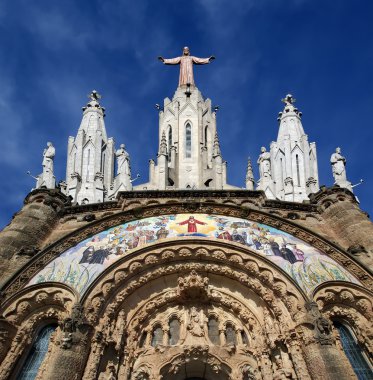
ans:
(163, 144)
(216, 147)
(289, 100)
(94, 97)
(250, 181)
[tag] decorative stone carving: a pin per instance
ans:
(322, 326)
(193, 287)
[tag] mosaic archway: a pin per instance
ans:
(80, 265)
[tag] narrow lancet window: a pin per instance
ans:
(169, 137)
(188, 141)
(37, 353)
(298, 174)
(174, 331)
(213, 331)
(230, 335)
(157, 337)
(354, 353)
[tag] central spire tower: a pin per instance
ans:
(189, 155)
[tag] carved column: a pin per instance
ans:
(265, 366)
(93, 363)
(165, 335)
(239, 337)
(22, 340)
(222, 337)
(298, 361)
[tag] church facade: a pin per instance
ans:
(186, 276)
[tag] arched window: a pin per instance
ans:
(142, 339)
(213, 330)
(188, 141)
(174, 331)
(37, 353)
(244, 338)
(157, 337)
(169, 142)
(169, 137)
(298, 174)
(354, 353)
(230, 335)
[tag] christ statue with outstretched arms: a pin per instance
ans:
(186, 62)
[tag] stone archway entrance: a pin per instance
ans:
(197, 370)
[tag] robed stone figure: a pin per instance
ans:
(338, 166)
(186, 62)
(123, 161)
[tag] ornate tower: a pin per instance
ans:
(292, 166)
(189, 153)
(90, 156)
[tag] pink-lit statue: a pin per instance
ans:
(186, 62)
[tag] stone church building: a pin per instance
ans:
(186, 277)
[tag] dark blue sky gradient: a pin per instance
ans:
(53, 53)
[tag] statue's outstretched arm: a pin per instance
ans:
(202, 61)
(171, 61)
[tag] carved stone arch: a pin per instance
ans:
(140, 210)
(26, 313)
(35, 298)
(196, 361)
(124, 272)
(351, 305)
(201, 271)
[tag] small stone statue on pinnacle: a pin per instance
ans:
(123, 161)
(47, 178)
(122, 181)
(339, 169)
(186, 62)
(264, 162)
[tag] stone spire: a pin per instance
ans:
(90, 156)
(338, 163)
(47, 178)
(250, 181)
(293, 160)
(189, 154)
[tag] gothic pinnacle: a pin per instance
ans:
(163, 144)
(216, 147)
(250, 181)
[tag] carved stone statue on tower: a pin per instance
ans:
(123, 161)
(186, 62)
(265, 182)
(338, 163)
(122, 181)
(47, 178)
(264, 162)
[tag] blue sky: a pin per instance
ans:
(53, 53)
